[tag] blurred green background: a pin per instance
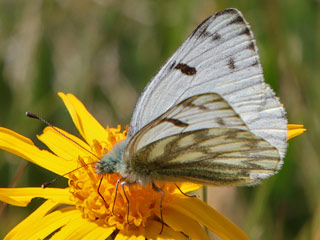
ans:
(105, 52)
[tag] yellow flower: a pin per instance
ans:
(295, 130)
(79, 212)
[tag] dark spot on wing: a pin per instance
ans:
(176, 122)
(204, 33)
(216, 36)
(237, 20)
(256, 63)
(200, 135)
(200, 106)
(200, 25)
(252, 143)
(220, 121)
(251, 46)
(185, 69)
(189, 103)
(172, 65)
(231, 63)
(232, 133)
(226, 11)
(245, 31)
(192, 105)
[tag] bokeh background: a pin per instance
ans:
(105, 52)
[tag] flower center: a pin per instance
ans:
(96, 196)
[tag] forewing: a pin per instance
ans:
(201, 139)
(219, 56)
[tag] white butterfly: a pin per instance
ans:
(207, 116)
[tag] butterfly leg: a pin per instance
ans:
(124, 193)
(98, 190)
(187, 195)
(116, 193)
(156, 188)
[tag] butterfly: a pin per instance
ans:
(207, 117)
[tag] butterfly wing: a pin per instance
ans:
(202, 139)
(219, 56)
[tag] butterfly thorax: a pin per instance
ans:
(113, 162)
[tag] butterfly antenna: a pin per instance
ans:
(46, 184)
(32, 115)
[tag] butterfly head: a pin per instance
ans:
(110, 162)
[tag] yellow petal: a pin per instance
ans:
(188, 187)
(295, 130)
(153, 232)
(138, 234)
(294, 126)
(21, 146)
(62, 146)
(22, 196)
(182, 223)
(49, 224)
(87, 125)
(56, 220)
(207, 216)
(78, 228)
(28, 222)
(100, 233)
